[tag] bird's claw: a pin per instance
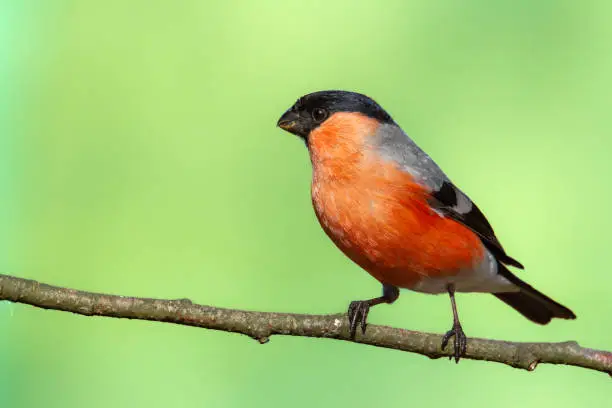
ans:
(460, 341)
(357, 316)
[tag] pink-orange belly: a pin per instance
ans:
(395, 236)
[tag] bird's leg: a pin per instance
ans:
(358, 309)
(456, 331)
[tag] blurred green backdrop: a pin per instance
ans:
(139, 156)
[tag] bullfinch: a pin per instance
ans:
(389, 207)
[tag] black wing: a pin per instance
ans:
(451, 202)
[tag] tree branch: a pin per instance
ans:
(262, 325)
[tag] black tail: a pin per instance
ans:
(532, 304)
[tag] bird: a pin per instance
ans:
(390, 208)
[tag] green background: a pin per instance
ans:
(139, 156)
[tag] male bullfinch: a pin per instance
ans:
(388, 207)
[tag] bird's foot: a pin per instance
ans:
(460, 341)
(357, 316)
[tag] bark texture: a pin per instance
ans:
(262, 325)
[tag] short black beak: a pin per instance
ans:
(288, 121)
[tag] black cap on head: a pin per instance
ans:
(313, 109)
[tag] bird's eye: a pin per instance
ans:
(319, 114)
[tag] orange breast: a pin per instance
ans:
(376, 213)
